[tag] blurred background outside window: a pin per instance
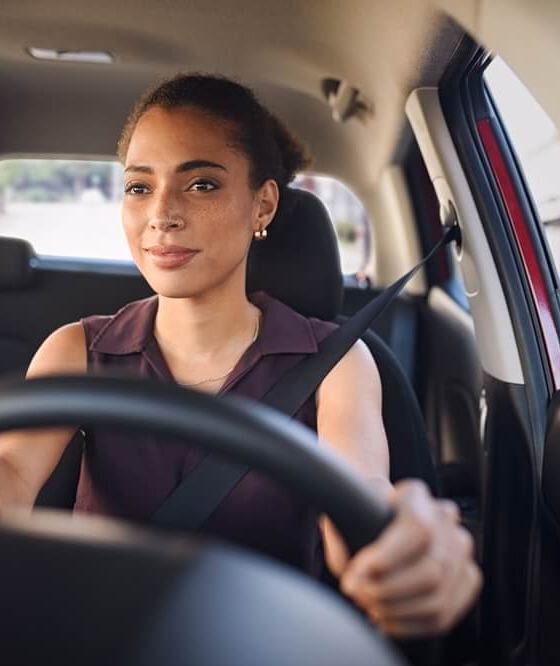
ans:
(69, 208)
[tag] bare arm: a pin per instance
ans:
(28, 457)
(419, 577)
(349, 420)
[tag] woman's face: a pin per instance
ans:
(189, 211)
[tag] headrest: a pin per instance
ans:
(15, 263)
(299, 262)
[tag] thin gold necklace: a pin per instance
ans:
(215, 379)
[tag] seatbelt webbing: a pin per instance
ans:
(308, 374)
(202, 491)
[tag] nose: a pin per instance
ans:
(166, 214)
(167, 224)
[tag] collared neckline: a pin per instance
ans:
(283, 331)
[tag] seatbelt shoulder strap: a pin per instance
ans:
(190, 505)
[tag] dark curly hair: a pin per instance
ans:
(272, 150)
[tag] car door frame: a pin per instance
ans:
(517, 535)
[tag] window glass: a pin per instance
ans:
(348, 216)
(71, 208)
(64, 208)
(536, 142)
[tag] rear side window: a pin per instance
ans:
(64, 208)
(348, 216)
(536, 142)
(69, 208)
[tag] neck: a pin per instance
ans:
(208, 328)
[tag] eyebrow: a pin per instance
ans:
(181, 168)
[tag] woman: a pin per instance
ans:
(205, 165)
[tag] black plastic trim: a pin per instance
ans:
(509, 596)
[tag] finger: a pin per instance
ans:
(450, 510)
(432, 615)
(429, 584)
(405, 539)
(407, 628)
(433, 592)
(451, 547)
(421, 577)
(422, 607)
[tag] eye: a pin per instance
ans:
(203, 185)
(135, 188)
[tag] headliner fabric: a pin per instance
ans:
(282, 49)
(299, 262)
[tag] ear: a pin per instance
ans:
(266, 204)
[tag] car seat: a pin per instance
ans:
(299, 264)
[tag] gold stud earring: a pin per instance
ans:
(260, 234)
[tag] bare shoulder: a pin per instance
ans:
(356, 371)
(349, 413)
(359, 354)
(64, 351)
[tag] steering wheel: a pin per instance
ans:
(97, 591)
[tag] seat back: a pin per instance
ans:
(40, 294)
(410, 454)
(16, 274)
(399, 325)
(300, 264)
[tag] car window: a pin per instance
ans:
(348, 215)
(70, 208)
(536, 142)
(64, 208)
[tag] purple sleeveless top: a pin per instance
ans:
(128, 479)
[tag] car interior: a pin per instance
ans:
(380, 92)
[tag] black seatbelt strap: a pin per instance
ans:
(202, 491)
(295, 387)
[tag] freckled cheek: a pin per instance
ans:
(228, 226)
(227, 241)
(133, 234)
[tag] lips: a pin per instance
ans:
(171, 256)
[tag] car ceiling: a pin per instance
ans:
(283, 49)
